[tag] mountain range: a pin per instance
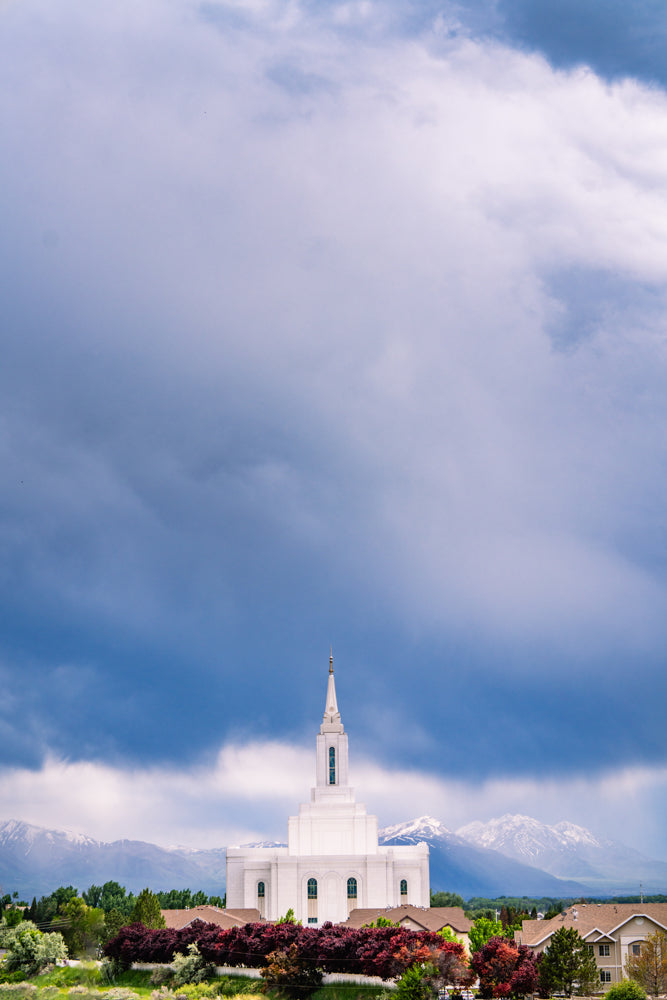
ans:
(512, 855)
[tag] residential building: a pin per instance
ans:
(417, 918)
(612, 931)
(177, 919)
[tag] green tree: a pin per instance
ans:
(482, 931)
(29, 950)
(84, 927)
(415, 983)
(447, 899)
(381, 921)
(649, 968)
(147, 910)
(448, 935)
(628, 989)
(13, 916)
(567, 964)
(113, 921)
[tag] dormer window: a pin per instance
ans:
(332, 765)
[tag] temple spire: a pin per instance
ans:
(331, 718)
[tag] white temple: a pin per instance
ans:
(332, 863)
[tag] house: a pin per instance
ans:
(417, 918)
(177, 919)
(612, 931)
(332, 863)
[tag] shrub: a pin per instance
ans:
(17, 991)
(30, 951)
(627, 989)
(414, 984)
(290, 975)
(162, 975)
(192, 968)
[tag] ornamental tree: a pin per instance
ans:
(482, 931)
(649, 968)
(505, 968)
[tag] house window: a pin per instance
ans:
(404, 888)
(591, 949)
(605, 976)
(332, 765)
(352, 888)
(636, 949)
(603, 950)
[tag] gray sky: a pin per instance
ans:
(332, 323)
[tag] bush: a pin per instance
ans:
(161, 975)
(192, 968)
(30, 951)
(290, 975)
(17, 991)
(627, 989)
(414, 984)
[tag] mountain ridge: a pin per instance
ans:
(509, 855)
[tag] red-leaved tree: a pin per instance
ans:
(505, 969)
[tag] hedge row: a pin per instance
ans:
(381, 951)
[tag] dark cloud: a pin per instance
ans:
(369, 354)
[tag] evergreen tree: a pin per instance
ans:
(567, 964)
(147, 910)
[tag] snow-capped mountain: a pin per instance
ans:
(414, 831)
(459, 866)
(525, 838)
(568, 851)
(513, 855)
(34, 861)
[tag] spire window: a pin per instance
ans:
(332, 765)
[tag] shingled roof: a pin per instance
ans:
(431, 918)
(594, 921)
(177, 919)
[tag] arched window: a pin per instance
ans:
(260, 890)
(261, 899)
(332, 765)
(404, 888)
(352, 888)
(312, 900)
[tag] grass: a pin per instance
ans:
(83, 982)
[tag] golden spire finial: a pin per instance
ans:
(331, 660)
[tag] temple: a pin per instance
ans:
(333, 863)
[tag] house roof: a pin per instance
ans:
(210, 915)
(431, 918)
(594, 921)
